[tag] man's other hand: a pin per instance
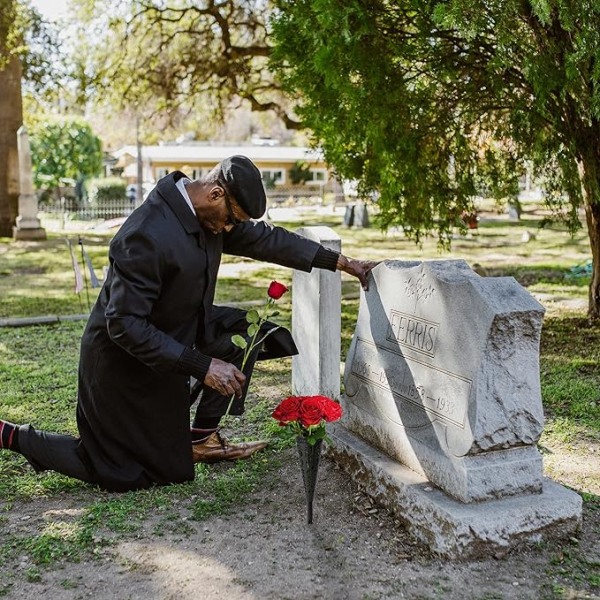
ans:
(224, 377)
(357, 268)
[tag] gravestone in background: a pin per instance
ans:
(349, 215)
(361, 216)
(28, 226)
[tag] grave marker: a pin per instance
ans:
(443, 405)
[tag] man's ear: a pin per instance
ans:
(215, 193)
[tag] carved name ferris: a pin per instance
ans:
(412, 332)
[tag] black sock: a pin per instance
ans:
(203, 427)
(9, 436)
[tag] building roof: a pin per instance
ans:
(215, 153)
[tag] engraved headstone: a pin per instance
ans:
(442, 404)
(28, 226)
(443, 375)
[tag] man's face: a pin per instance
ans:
(225, 212)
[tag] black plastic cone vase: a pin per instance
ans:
(309, 462)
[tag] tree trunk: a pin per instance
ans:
(592, 215)
(11, 118)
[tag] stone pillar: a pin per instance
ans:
(316, 323)
(28, 225)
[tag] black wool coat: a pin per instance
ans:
(133, 401)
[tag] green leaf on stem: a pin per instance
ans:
(252, 316)
(239, 341)
(253, 329)
(320, 433)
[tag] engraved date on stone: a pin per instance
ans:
(436, 391)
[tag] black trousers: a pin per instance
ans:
(65, 453)
(55, 452)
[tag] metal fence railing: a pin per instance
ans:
(301, 194)
(68, 214)
(64, 216)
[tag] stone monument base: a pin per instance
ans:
(472, 478)
(449, 527)
(38, 233)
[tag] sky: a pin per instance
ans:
(51, 9)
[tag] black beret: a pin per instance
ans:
(243, 180)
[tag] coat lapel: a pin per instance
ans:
(168, 191)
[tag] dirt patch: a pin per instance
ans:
(265, 550)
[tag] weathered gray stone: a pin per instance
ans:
(443, 375)
(361, 216)
(451, 528)
(28, 226)
(349, 216)
(443, 400)
(316, 323)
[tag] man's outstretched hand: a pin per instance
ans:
(357, 268)
(224, 377)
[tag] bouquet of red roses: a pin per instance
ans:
(306, 416)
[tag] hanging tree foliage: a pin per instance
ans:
(177, 57)
(426, 101)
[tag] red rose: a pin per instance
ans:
(288, 410)
(332, 411)
(276, 290)
(311, 411)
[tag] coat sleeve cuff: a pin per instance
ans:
(325, 259)
(192, 362)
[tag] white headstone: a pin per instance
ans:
(443, 375)
(28, 226)
(316, 323)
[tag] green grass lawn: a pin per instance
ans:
(36, 278)
(38, 364)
